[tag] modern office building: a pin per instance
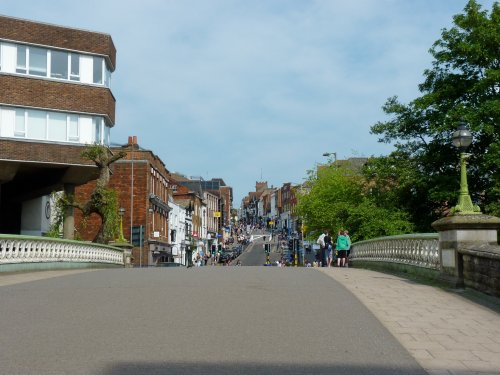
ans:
(55, 98)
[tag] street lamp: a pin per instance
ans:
(183, 251)
(461, 139)
(327, 154)
(121, 212)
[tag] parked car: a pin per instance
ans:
(226, 256)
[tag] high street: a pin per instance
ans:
(254, 254)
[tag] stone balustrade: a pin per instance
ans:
(16, 251)
(418, 250)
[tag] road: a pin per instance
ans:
(206, 320)
(254, 254)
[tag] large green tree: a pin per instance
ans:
(462, 84)
(336, 199)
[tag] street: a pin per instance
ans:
(206, 320)
(254, 254)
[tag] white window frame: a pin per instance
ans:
(47, 61)
(17, 133)
(82, 76)
(98, 130)
(101, 81)
(73, 56)
(26, 59)
(72, 138)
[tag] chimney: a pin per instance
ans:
(132, 140)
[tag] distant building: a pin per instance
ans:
(221, 194)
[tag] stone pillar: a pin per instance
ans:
(69, 215)
(127, 252)
(461, 231)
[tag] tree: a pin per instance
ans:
(103, 201)
(463, 83)
(336, 199)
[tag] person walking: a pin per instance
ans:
(321, 242)
(343, 244)
(348, 251)
(328, 249)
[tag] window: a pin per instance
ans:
(59, 64)
(37, 61)
(107, 77)
(73, 128)
(106, 135)
(98, 62)
(20, 125)
(37, 124)
(21, 59)
(97, 130)
(57, 126)
(75, 67)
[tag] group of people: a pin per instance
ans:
(340, 250)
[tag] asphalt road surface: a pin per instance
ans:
(207, 320)
(254, 254)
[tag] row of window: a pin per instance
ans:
(51, 63)
(159, 185)
(53, 126)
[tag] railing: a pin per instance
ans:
(418, 250)
(27, 249)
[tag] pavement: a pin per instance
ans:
(444, 332)
(12, 278)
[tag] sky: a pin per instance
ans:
(256, 90)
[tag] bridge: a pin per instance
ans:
(251, 320)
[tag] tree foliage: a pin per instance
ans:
(336, 199)
(462, 84)
(103, 201)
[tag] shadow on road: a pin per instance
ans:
(253, 369)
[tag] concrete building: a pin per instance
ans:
(55, 98)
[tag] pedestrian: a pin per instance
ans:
(343, 244)
(328, 249)
(321, 242)
(348, 252)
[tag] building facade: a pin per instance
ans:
(55, 98)
(141, 180)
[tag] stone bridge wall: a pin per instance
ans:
(481, 268)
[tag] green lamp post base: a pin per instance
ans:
(465, 205)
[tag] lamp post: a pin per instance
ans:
(328, 154)
(461, 139)
(121, 212)
(183, 251)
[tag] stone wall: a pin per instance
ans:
(481, 268)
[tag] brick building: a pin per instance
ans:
(145, 220)
(55, 98)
